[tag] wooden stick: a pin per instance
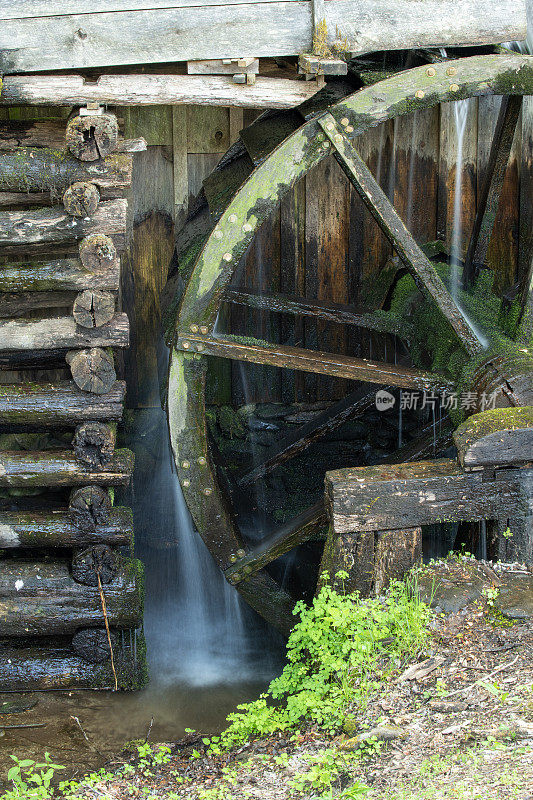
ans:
(92, 136)
(323, 423)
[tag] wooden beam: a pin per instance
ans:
(15, 133)
(41, 598)
(299, 358)
(57, 405)
(496, 437)
(394, 229)
(387, 497)
(487, 203)
(328, 312)
(61, 468)
(60, 333)
(54, 529)
(44, 169)
(51, 227)
(59, 668)
(149, 90)
(56, 275)
(310, 524)
(323, 423)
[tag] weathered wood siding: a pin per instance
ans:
(74, 36)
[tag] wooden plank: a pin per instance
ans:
(146, 90)
(317, 309)
(393, 227)
(60, 333)
(61, 468)
(82, 40)
(489, 198)
(61, 275)
(323, 423)
(39, 8)
(311, 524)
(310, 361)
(57, 405)
(56, 529)
(496, 437)
(384, 25)
(390, 497)
(48, 132)
(258, 29)
(208, 129)
(292, 278)
(53, 226)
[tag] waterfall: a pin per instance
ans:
(461, 109)
(194, 622)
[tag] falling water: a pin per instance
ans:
(194, 622)
(461, 108)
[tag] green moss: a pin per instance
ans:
(494, 420)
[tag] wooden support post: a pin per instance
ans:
(93, 308)
(94, 443)
(397, 552)
(93, 562)
(92, 370)
(89, 507)
(81, 199)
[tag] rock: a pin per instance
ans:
(449, 596)
(381, 733)
(515, 598)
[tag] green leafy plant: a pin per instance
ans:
(30, 779)
(332, 654)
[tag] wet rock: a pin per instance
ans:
(381, 733)
(450, 596)
(273, 410)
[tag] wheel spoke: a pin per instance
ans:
(325, 312)
(338, 366)
(490, 195)
(311, 524)
(321, 424)
(392, 226)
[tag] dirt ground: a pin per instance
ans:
(454, 724)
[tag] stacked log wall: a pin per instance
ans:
(67, 572)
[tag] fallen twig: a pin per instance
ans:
(104, 612)
(29, 725)
(92, 746)
(485, 678)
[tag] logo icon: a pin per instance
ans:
(384, 400)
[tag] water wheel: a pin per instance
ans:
(245, 188)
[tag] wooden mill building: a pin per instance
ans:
(263, 183)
